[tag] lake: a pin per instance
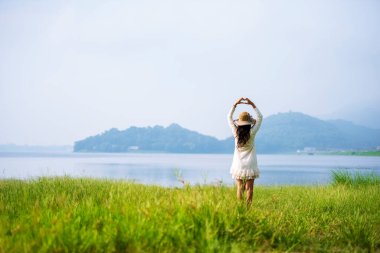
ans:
(166, 169)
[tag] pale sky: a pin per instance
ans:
(71, 69)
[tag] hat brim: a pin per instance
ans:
(243, 123)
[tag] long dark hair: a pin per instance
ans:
(243, 134)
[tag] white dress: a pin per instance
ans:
(244, 163)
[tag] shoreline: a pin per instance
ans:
(315, 153)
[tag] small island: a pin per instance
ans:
(280, 133)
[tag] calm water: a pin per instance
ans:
(163, 169)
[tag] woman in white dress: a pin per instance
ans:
(244, 167)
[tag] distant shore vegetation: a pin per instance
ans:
(355, 153)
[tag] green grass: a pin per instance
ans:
(88, 215)
(342, 177)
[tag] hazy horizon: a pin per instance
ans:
(71, 69)
(154, 125)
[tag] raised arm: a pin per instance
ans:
(256, 127)
(230, 119)
(230, 114)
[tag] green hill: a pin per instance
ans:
(282, 132)
(290, 131)
(172, 139)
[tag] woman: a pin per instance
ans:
(244, 164)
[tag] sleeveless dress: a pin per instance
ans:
(244, 162)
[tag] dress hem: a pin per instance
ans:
(245, 174)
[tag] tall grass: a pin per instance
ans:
(88, 215)
(344, 177)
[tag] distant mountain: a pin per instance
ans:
(359, 136)
(368, 116)
(172, 139)
(287, 132)
(283, 132)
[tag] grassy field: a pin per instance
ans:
(88, 215)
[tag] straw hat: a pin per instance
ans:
(245, 119)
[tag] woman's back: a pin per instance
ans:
(244, 168)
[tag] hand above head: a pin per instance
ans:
(244, 101)
(250, 102)
(239, 101)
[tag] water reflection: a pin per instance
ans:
(161, 169)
